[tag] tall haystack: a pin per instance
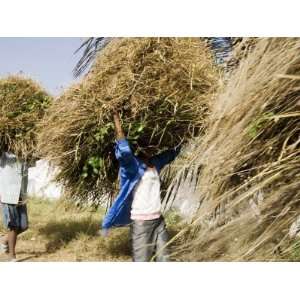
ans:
(160, 86)
(248, 164)
(22, 104)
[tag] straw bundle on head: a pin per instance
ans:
(22, 105)
(249, 182)
(160, 86)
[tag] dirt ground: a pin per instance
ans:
(61, 232)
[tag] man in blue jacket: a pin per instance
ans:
(138, 202)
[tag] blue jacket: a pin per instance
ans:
(131, 171)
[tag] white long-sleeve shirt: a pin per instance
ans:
(146, 203)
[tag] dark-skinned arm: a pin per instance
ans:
(123, 152)
(118, 127)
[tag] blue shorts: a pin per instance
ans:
(15, 217)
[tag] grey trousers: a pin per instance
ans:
(149, 238)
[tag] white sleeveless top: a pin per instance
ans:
(13, 178)
(146, 203)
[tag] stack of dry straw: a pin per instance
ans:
(22, 105)
(161, 87)
(249, 160)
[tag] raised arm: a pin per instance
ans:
(118, 128)
(123, 152)
(164, 158)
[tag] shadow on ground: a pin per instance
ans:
(63, 232)
(118, 242)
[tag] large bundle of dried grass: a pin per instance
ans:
(249, 160)
(241, 48)
(160, 86)
(22, 105)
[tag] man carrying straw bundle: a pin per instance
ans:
(138, 201)
(13, 190)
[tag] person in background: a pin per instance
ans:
(222, 48)
(139, 201)
(13, 191)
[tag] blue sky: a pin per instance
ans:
(50, 61)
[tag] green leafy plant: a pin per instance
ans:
(259, 124)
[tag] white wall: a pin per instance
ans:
(40, 181)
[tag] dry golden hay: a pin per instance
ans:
(248, 163)
(162, 88)
(242, 47)
(22, 104)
